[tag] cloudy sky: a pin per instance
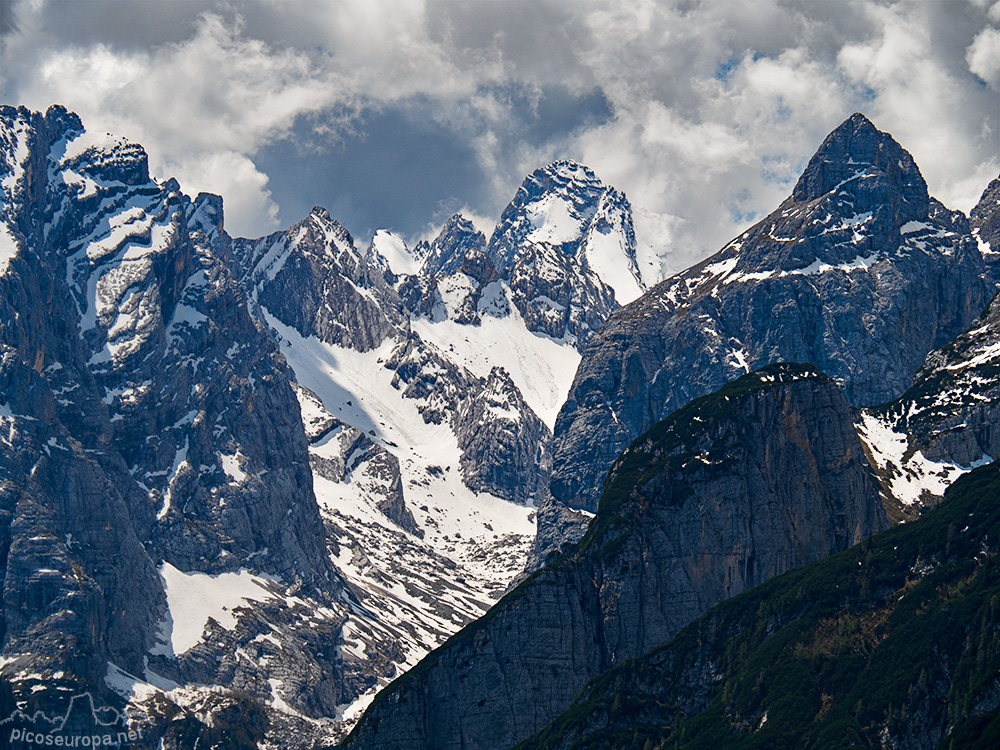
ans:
(397, 113)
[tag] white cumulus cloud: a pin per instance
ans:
(705, 111)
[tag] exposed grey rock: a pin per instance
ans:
(381, 472)
(312, 277)
(151, 422)
(943, 425)
(420, 295)
(558, 529)
(739, 486)
(505, 447)
(504, 444)
(540, 249)
(858, 272)
(345, 454)
(424, 374)
(945, 422)
(457, 249)
(985, 222)
(452, 277)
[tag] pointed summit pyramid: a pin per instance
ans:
(857, 272)
(565, 249)
(294, 274)
(447, 254)
(553, 206)
(872, 168)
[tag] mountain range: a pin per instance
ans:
(246, 484)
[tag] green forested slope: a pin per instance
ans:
(892, 643)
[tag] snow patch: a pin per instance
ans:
(395, 252)
(541, 368)
(128, 686)
(193, 598)
(185, 319)
(656, 244)
(8, 247)
(910, 474)
(180, 461)
(231, 466)
(607, 256)
(818, 266)
(552, 221)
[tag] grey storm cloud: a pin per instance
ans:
(395, 113)
(400, 162)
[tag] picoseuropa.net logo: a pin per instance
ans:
(83, 725)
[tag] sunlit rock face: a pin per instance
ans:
(858, 272)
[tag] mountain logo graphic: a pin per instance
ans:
(105, 716)
(82, 725)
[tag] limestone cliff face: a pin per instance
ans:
(859, 272)
(148, 425)
(730, 491)
(984, 219)
(945, 422)
(859, 650)
(764, 475)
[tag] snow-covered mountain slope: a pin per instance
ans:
(423, 552)
(429, 390)
(458, 303)
(563, 257)
(154, 465)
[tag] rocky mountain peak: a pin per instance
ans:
(560, 247)
(858, 272)
(325, 234)
(448, 252)
(563, 257)
(871, 167)
(153, 440)
(985, 222)
(58, 118)
(565, 174)
(459, 226)
(553, 206)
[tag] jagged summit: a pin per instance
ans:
(565, 247)
(321, 212)
(295, 273)
(871, 166)
(448, 252)
(564, 173)
(552, 206)
(857, 272)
